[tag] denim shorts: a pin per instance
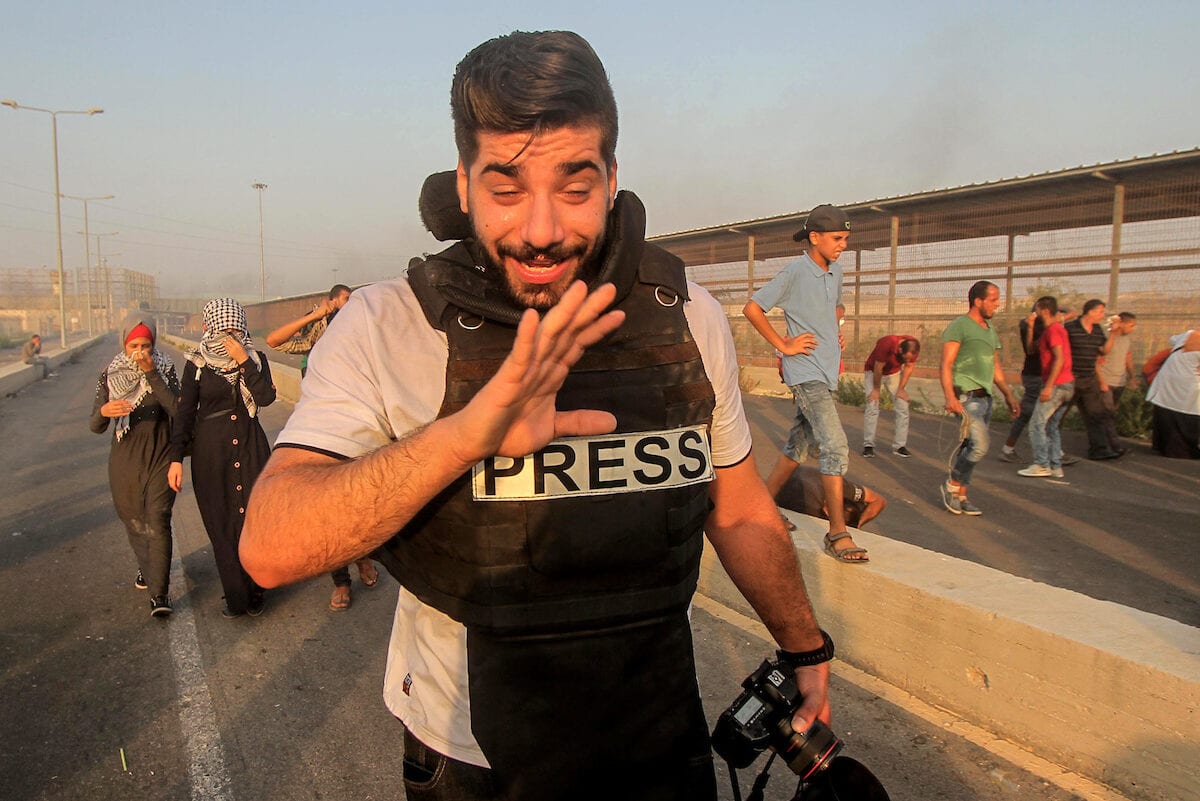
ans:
(818, 429)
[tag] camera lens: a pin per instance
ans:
(810, 752)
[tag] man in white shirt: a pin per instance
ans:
(534, 469)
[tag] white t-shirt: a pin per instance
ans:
(378, 373)
(1177, 385)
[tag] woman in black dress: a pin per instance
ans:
(225, 382)
(139, 391)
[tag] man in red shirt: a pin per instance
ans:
(889, 367)
(1058, 387)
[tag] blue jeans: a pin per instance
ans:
(1045, 433)
(817, 429)
(978, 411)
(871, 414)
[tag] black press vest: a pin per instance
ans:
(580, 560)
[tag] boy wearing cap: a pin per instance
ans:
(808, 290)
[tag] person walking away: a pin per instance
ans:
(889, 366)
(138, 393)
(1054, 398)
(300, 336)
(1175, 395)
(225, 384)
(1088, 344)
(970, 375)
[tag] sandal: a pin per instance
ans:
(340, 599)
(845, 554)
(367, 573)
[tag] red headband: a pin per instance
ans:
(140, 330)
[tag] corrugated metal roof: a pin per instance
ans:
(1076, 197)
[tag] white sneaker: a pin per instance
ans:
(1035, 471)
(1056, 472)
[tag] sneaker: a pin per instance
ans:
(140, 582)
(1056, 472)
(160, 606)
(256, 606)
(1008, 455)
(902, 452)
(1035, 471)
(1070, 460)
(968, 508)
(951, 500)
(229, 614)
(868, 451)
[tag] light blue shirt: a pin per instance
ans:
(808, 297)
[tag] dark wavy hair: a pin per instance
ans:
(532, 82)
(978, 291)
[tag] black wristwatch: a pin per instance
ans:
(797, 659)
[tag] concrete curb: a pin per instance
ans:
(1109, 692)
(15, 377)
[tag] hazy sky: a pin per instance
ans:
(729, 111)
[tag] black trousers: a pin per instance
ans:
(1099, 417)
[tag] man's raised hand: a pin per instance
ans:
(514, 414)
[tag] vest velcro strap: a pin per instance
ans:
(634, 359)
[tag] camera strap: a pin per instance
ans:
(760, 782)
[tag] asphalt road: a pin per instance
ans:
(1122, 530)
(101, 702)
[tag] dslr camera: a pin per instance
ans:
(761, 718)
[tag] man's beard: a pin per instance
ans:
(544, 296)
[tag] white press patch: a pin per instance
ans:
(604, 465)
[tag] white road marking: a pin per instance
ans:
(201, 738)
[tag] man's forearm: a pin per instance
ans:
(758, 318)
(947, 379)
(1055, 367)
(309, 514)
(288, 330)
(748, 536)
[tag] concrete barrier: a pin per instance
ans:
(285, 378)
(15, 377)
(1106, 691)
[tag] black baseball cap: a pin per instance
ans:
(823, 219)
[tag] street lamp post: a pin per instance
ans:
(111, 311)
(262, 258)
(87, 246)
(62, 285)
(100, 265)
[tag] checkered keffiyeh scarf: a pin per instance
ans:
(221, 316)
(126, 381)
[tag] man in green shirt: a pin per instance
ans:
(970, 376)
